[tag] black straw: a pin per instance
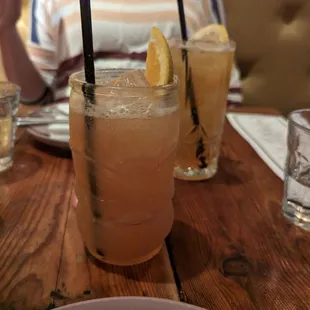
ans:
(87, 34)
(89, 95)
(182, 20)
(189, 91)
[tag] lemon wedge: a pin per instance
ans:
(213, 33)
(159, 65)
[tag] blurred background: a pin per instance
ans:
(273, 50)
(23, 30)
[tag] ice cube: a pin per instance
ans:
(135, 78)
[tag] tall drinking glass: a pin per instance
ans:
(204, 70)
(296, 201)
(9, 102)
(123, 149)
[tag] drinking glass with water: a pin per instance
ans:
(296, 201)
(9, 101)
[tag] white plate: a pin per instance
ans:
(45, 133)
(130, 303)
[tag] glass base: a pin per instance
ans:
(195, 174)
(6, 163)
(297, 214)
(137, 261)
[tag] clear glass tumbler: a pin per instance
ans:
(296, 201)
(123, 138)
(9, 101)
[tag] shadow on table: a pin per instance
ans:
(157, 270)
(52, 150)
(232, 172)
(24, 166)
(184, 244)
(152, 271)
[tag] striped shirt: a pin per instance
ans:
(120, 33)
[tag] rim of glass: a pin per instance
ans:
(204, 46)
(290, 118)
(78, 78)
(13, 89)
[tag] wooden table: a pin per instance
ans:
(230, 247)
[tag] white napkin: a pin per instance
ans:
(267, 136)
(60, 131)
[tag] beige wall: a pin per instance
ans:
(272, 51)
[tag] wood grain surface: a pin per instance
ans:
(34, 201)
(230, 247)
(81, 278)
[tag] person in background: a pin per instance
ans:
(121, 31)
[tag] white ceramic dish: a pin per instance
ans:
(130, 303)
(56, 135)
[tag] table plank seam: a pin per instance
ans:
(176, 277)
(62, 248)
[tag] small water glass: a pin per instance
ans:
(296, 200)
(9, 102)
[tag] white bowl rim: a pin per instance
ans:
(133, 298)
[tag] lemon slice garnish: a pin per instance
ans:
(213, 33)
(159, 65)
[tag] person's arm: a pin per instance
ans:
(18, 66)
(33, 69)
